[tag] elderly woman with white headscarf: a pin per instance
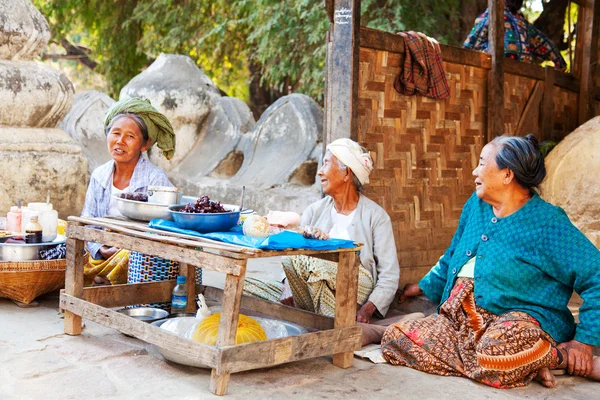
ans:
(344, 213)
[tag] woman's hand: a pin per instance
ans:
(287, 298)
(107, 252)
(311, 232)
(365, 313)
(579, 357)
(410, 290)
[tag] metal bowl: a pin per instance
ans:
(142, 210)
(205, 223)
(26, 251)
(146, 314)
(164, 195)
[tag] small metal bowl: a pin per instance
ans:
(145, 314)
(205, 223)
(141, 210)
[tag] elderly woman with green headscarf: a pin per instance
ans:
(132, 126)
(344, 213)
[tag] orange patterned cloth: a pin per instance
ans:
(423, 71)
(503, 351)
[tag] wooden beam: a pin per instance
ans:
(345, 301)
(531, 112)
(199, 352)
(547, 114)
(129, 294)
(74, 283)
(342, 77)
(518, 68)
(495, 106)
(293, 348)
(170, 252)
(589, 61)
(270, 309)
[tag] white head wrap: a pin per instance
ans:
(351, 155)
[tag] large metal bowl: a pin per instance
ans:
(146, 314)
(205, 223)
(141, 210)
(26, 251)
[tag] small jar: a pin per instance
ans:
(14, 219)
(33, 230)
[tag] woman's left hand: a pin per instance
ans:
(579, 357)
(366, 312)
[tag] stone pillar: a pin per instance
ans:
(35, 157)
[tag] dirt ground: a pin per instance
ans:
(38, 361)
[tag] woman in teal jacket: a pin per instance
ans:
(504, 283)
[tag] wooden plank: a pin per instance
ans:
(294, 348)
(171, 252)
(589, 61)
(74, 283)
(518, 68)
(345, 301)
(270, 309)
(566, 81)
(148, 333)
(132, 293)
(234, 285)
(189, 271)
(547, 115)
(531, 112)
(495, 105)
(160, 237)
(342, 84)
(576, 69)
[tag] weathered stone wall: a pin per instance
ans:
(35, 157)
(572, 182)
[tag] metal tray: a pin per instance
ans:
(26, 252)
(146, 314)
(141, 210)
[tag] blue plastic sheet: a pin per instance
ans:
(280, 241)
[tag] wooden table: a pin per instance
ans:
(338, 336)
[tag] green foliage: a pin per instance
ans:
(233, 41)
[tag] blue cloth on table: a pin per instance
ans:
(280, 241)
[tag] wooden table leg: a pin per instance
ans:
(189, 271)
(74, 283)
(346, 289)
(232, 296)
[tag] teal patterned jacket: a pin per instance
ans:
(529, 261)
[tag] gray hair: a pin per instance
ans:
(135, 118)
(359, 186)
(523, 157)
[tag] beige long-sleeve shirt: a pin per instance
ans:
(372, 227)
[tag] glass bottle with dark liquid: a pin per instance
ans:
(33, 231)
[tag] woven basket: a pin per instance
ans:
(23, 281)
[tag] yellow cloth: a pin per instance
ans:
(114, 269)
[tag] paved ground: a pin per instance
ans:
(37, 361)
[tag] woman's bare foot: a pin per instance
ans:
(595, 374)
(546, 378)
(371, 333)
(100, 281)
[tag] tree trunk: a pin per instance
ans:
(469, 11)
(552, 22)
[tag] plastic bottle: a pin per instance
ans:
(180, 297)
(34, 231)
(14, 219)
(48, 219)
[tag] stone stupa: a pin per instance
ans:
(35, 156)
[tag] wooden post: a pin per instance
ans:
(234, 285)
(589, 59)
(346, 286)
(547, 120)
(342, 71)
(189, 271)
(495, 114)
(74, 282)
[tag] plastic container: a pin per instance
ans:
(48, 218)
(33, 230)
(14, 219)
(179, 298)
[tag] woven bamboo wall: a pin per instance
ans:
(564, 113)
(517, 91)
(424, 152)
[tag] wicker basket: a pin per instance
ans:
(23, 281)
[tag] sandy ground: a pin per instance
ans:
(38, 361)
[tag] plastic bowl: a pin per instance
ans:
(205, 223)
